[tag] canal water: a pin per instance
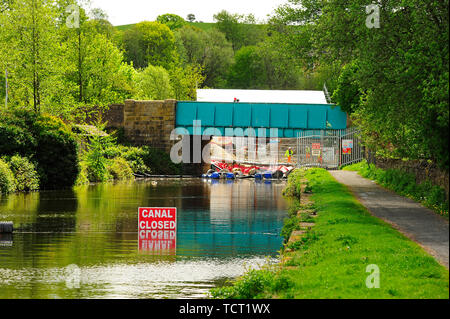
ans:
(83, 243)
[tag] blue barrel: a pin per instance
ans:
(268, 175)
(215, 176)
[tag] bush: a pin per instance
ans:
(15, 135)
(56, 153)
(293, 187)
(7, 182)
(135, 158)
(251, 285)
(144, 159)
(160, 162)
(44, 139)
(120, 169)
(404, 183)
(26, 176)
(96, 160)
(82, 178)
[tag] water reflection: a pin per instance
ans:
(221, 226)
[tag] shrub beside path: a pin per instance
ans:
(412, 219)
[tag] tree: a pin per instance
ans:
(173, 21)
(191, 44)
(229, 25)
(185, 81)
(149, 43)
(264, 67)
(348, 93)
(191, 17)
(210, 50)
(402, 70)
(30, 52)
(239, 29)
(95, 67)
(153, 83)
(247, 71)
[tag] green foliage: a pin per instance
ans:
(247, 71)
(290, 224)
(7, 182)
(119, 169)
(240, 30)
(83, 178)
(160, 162)
(208, 49)
(44, 139)
(94, 157)
(402, 73)
(135, 157)
(26, 177)
(173, 21)
(15, 135)
(348, 94)
(293, 187)
(101, 78)
(249, 286)
(29, 50)
(153, 83)
(185, 82)
(405, 184)
(149, 43)
(56, 152)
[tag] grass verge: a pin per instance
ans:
(404, 184)
(332, 259)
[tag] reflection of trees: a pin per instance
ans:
(17, 208)
(97, 225)
(56, 212)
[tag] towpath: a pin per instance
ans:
(412, 219)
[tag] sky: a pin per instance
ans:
(132, 11)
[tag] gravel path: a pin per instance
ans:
(412, 219)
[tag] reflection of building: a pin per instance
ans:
(240, 200)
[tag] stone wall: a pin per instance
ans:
(150, 122)
(421, 169)
(114, 115)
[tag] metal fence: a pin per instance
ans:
(313, 148)
(328, 148)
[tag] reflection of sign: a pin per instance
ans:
(347, 146)
(328, 154)
(316, 152)
(316, 146)
(6, 240)
(158, 230)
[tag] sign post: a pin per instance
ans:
(157, 230)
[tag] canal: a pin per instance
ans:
(83, 243)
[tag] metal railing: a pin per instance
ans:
(329, 149)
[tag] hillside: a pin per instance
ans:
(201, 25)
